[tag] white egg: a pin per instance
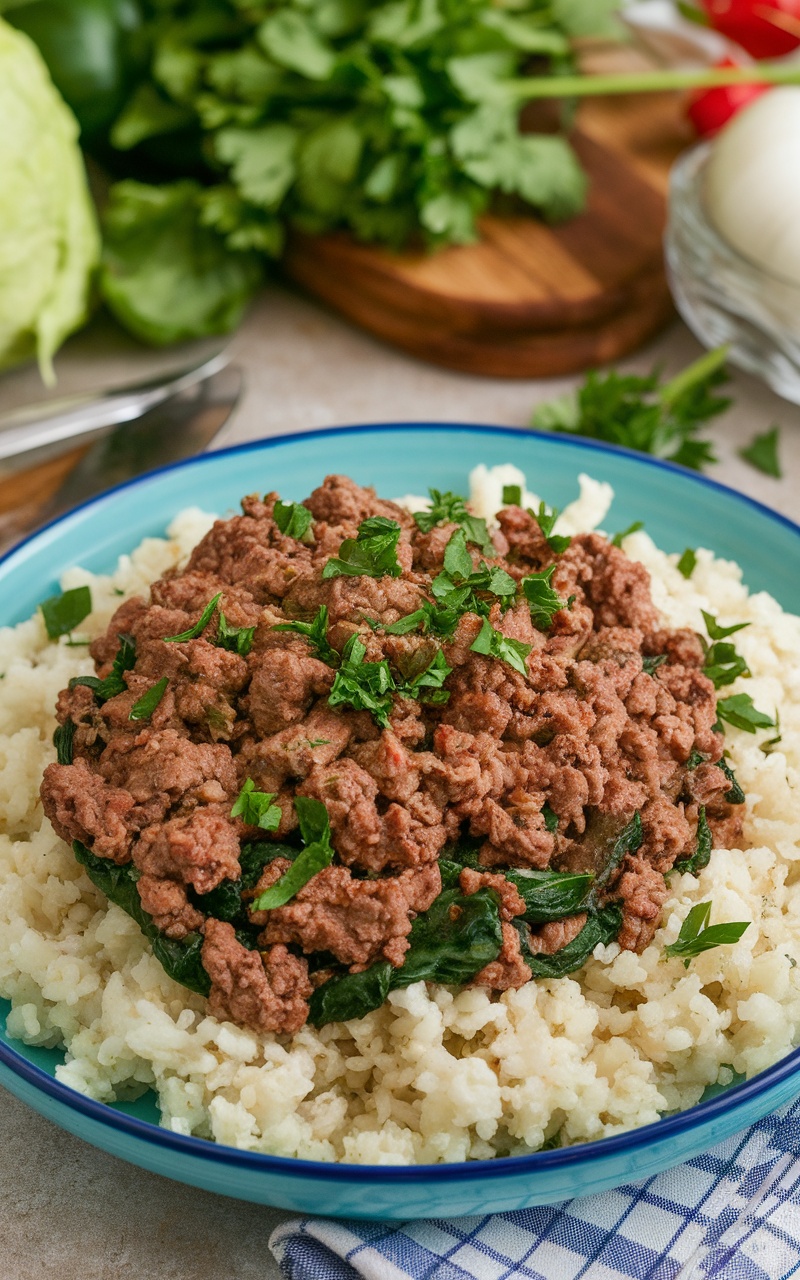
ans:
(752, 184)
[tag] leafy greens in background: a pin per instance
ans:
(244, 119)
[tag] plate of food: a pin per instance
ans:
(401, 821)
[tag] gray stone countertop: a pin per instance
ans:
(67, 1210)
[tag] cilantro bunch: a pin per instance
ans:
(397, 121)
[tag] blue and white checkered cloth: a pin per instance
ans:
(731, 1214)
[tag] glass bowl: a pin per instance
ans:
(723, 296)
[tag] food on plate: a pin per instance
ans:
(49, 241)
(428, 829)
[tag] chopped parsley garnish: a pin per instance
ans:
(199, 627)
(432, 678)
(512, 495)
(618, 538)
(687, 563)
(762, 453)
(364, 686)
(550, 818)
(316, 633)
(769, 746)
(62, 741)
(643, 413)
(436, 618)
(449, 508)
(256, 807)
(738, 710)
(235, 639)
(456, 586)
(543, 600)
(722, 663)
(697, 935)
(372, 554)
(495, 645)
(546, 520)
(146, 705)
(734, 795)
(651, 665)
(293, 519)
(315, 830)
(703, 846)
(63, 613)
(114, 683)
(629, 840)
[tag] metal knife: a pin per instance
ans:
(178, 427)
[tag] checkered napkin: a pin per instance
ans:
(731, 1214)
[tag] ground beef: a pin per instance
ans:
(541, 768)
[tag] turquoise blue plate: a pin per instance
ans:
(679, 509)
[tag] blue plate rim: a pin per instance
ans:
(726, 1103)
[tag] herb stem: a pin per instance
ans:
(699, 371)
(589, 86)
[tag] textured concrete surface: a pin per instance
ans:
(75, 1213)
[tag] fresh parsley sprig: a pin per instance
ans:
(493, 644)
(545, 518)
(315, 829)
(293, 519)
(644, 413)
(372, 553)
(697, 936)
(427, 684)
(364, 686)
(738, 710)
(722, 663)
(458, 584)
(450, 508)
(543, 600)
(234, 639)
(256, 808)
(316, 633)
(114, 682)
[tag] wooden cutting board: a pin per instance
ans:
(528, 300)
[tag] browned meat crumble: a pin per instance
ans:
(587, 738)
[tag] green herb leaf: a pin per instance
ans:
(433, 677)
(365, 686)
(316, 633)
(495, 645)
(64, 612)
(645, 414)
(62, 741)
(687, 563)
(543, 600)
(293, 519)
(618, 538)
(373, 553)
(716, 632)
(762, 453)
(114, 683)
(769, 746)
(651, 665)
(193, 633)
(146, 705)
(435, 618)
(695, 758)
(723, 664)
(735, 795)
(512, 495)
(450, 508)
(235, 639)
(739, 711)
(256, 807)
(457, 559)
(550, 818)
(546, 520)
(697, 935)
(318, 853)
(703, 847)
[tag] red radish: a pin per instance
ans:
(710, 109)
(765, 28)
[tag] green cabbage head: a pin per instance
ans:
(49, 240)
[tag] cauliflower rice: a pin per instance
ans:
(433, 1075)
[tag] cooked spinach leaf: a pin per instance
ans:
(735, 795)
(179, 959)
(703, 846)
(601, 926)
(62, 741)
(551, 895)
